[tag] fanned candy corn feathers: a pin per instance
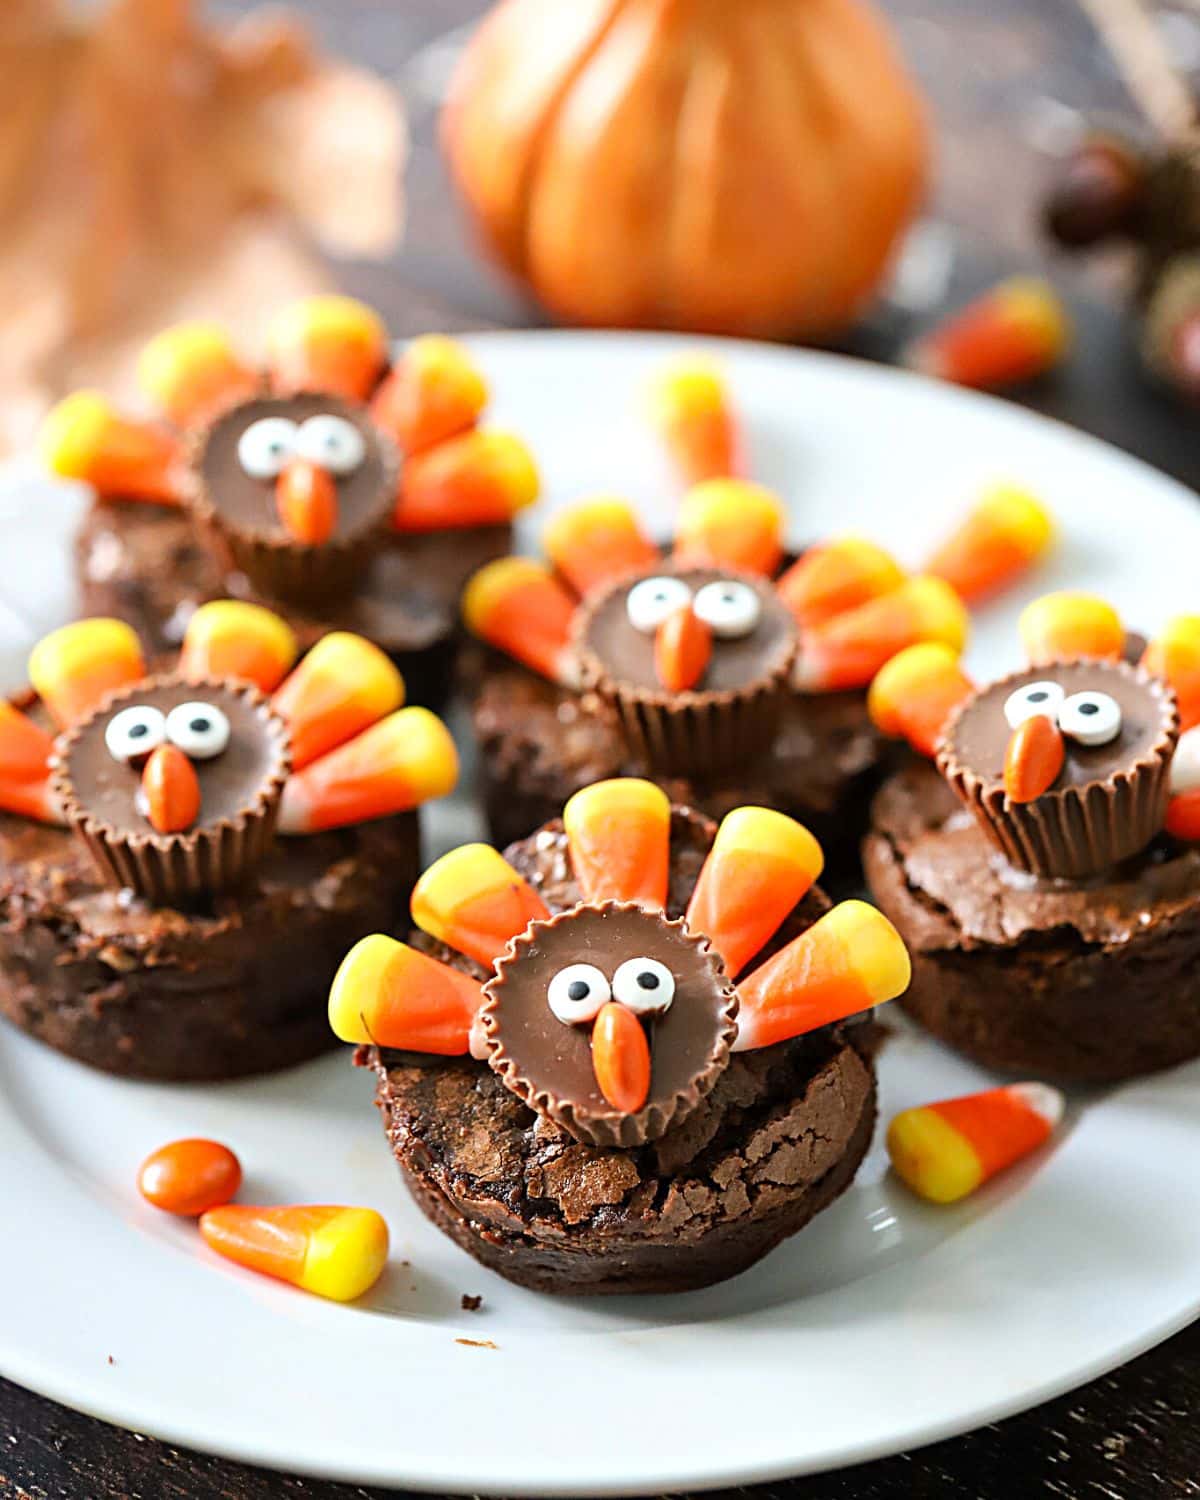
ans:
(759, 868)
(691, 408)
(429, 403)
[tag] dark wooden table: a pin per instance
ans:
(1004, 77)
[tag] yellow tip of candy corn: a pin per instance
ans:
(327, 343)
(730, 523)
(343, 686)
(851, 959)
(435, 392)
(72, 432)
(519, 607)
(1014, 332)
(944, 1151)
(474, 901)
(1063, 626)
(760, 867)
(482, 478)
(618, 833)
(838, 576)
(395, 996)
(191, 369)
(913, 695)
(85, 438)
(333, 1252)
(597, 541)
(1002, 536)
(76, 666)
(230, 638)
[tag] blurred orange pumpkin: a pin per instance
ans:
(736, 166)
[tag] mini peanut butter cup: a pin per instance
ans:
(734, 708)
(540, 1007)
(238, 751)
(1109, 800)
(241, 457)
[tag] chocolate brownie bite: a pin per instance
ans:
(720, 676)
(152, 922)
(1042, 874)
(285, 486)
(653, 1043)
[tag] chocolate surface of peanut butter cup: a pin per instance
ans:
(668, 975)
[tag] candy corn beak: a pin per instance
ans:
(1033, 759)
(621, 1058)
(307, 501)
(171, 790)
(682, 650)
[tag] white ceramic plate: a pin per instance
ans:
(884, 1325)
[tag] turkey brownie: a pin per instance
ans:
(779, 1137)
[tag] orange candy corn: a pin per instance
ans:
(343, 686)
(1175, 655)
(326, 343)
(621, 1058)
(1002, 537)
(228, 638)
(730, 523)
(518, 606)
(85, 438)
(682, 650)
(618, 833)
(392, 767)
(482, 478)
(913, 695)
(395, 996)
(1063, 626)
(25, 751)
(191, 370)
(337, 1253)
(1183, 816)
(474, 901)
(433, 393)
(595, 542)
(761, 865)
(848, 650)
(945, 1151)
(837, 576)
(851, 959)
(172, 790)
(1033, 759)
(190, 1177)
(1013, 333)
(306, 499)
(1183, 810)
(691, 409)
(77, 665)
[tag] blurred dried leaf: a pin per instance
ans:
(153, 169)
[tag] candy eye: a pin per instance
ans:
(1090, 718)
(135, 732)
(644, 985)
(199, 729)
(578, 993)
(732, 609)
(1033, 699)
(266, 445)
(653, 600)
(332, 442)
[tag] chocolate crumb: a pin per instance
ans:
(471, 1304)
(477, 1343)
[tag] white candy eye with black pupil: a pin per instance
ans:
(1034, 698)
(1090, 718)
(654, 600)
(644, 986)
(578, 993)
(135, 732)
(731, 609)
(200, 730)
(266, 446)
(332, 442)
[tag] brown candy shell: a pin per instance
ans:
(1073, 831)
(601, 1125)
(178, 869)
